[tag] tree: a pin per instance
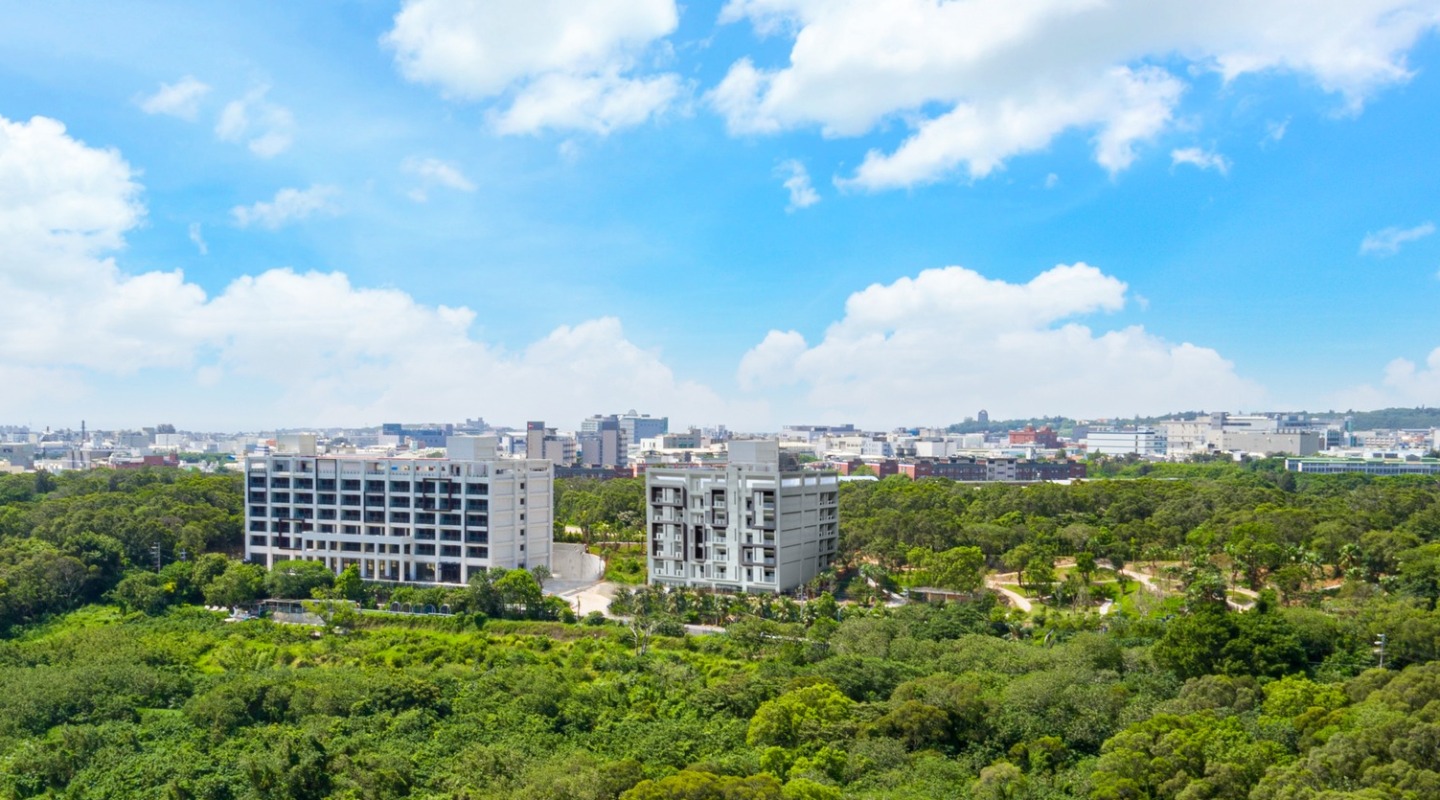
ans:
(335, 614)
(961, 569)
(239, 585)
(1173, 758)
(697, 785)
(297, 579)
(141, 590)
(1040, 574)
(520, 592)
(811, 715)
(348, 585)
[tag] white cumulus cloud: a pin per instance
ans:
(1201, 159)
(981, 81)
(797, 183)
(1388, 241)
(180, 99)
(1403, 383)
(289, 205)
(947, 339)
(266, 128)
(278, 348)
(560, 65)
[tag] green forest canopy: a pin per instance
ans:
(1187, 699)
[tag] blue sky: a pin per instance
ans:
(262, 215)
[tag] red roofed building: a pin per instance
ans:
(1044, 437)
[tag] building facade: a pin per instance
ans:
(420, 520)
(754, 525)
(1045, 437)
(1293, 442)
(1367, 466)
(1144, 442)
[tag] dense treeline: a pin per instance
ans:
(1181, 696)
(69, 539)
(1257, 522)
(922, 701)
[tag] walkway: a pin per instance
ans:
(578, 579)
(1016, 599)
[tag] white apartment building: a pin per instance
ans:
(420, 520)
(753, 525)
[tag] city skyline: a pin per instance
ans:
(743, 213)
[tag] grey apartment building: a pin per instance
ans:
(757, 524)
(420, 520)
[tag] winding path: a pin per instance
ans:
(1017, 599)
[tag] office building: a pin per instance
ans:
(543, 442)
(607, 440)
(757, 524)
(600, 443)
(634, 427)
(420, 520)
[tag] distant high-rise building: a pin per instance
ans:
(601, 446)
(543, 442)
(983, 417)
(634, 427)
(598, 447)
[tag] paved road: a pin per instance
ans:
(587, 597)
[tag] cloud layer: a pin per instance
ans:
(980, 81)
(294, 347)
(950, 341)
(562, 65)
(281, 347)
